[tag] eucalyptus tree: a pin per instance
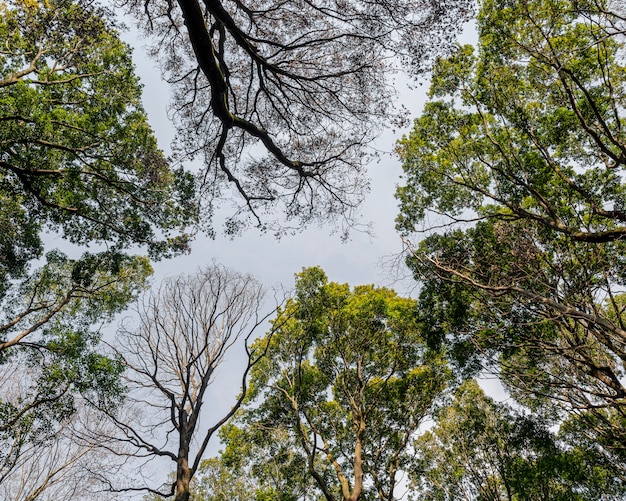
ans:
(515, 168)
(334, 406)
(281, 99)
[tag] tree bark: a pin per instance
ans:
(183, 479)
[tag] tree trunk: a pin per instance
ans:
(183, 479)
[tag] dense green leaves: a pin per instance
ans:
(518, 158)
(484, 450)
(527, 128)
(76, 152)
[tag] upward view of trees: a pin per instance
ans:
(512, 209)
(77, 157)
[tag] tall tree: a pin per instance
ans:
(345, 385)
(184, 331)
(518, 156)
(282, 98)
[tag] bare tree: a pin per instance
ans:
(282, 98)
(184, 330)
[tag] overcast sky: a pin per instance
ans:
(363, 259)
(356, 261)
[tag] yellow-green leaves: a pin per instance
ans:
(346, 381)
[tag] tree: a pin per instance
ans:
(305, 83)
(49, 347)
(482, 450)
(184, 331)
(335, 404)
(518, 155)
(76, 152)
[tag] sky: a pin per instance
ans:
(362, 259)
(357, 261)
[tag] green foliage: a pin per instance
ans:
(216, 481)
(49, 343)
(270, 461)
(76, 152)
(529, 128)
(483, 450)
(518, 157)
(77, 158)
(346, 382)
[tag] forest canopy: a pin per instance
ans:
(518, 157)
(511, 209)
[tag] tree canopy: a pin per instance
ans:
(515, 169)
(513, 184)
(345, 384)
(50, 357)
(281, 99)
(77, 158)
(77, 155)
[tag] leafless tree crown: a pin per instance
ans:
(184, 330)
